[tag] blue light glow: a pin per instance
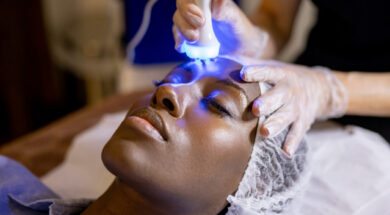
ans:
(195, 51)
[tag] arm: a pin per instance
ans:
(368, 93)
(277, 18)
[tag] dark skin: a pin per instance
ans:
(185, 148)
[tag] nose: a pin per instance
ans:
(167, 97)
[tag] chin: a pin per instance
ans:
(125, 160)
(111, 158)
(116, 158)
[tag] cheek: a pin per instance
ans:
(218, 146)
(211, 131)
(214, 154)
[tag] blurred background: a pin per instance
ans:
(59, 56)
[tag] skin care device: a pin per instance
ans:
(207, 46)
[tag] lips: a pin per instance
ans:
(153, 118)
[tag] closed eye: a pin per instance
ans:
(214, 105)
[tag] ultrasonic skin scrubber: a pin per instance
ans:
(207, 46)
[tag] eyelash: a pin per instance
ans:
(221, 110)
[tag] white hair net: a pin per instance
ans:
(271, 180)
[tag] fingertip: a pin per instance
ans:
(295, 136)
(290, 147)
(191, 35)
(242, 73)
(285, 149)
(256, 107)
(264, 131)
(245, 73)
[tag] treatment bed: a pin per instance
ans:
(349, 165)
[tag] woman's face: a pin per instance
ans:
(188, 144)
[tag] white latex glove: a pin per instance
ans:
(299, 96)
(236, 34)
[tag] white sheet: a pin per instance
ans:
(350, 169)
(350, 172)
(82, 174)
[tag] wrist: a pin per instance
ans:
(336, 97)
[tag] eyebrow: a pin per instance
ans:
(234, 85)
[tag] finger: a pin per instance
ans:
(178, 39)
(271, 100)
(187, 31)
(277, 122)
(270, 74)
(191, 13)
(294, 137)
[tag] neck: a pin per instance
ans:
(121, 199)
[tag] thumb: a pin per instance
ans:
(216, 8)
(224, 10)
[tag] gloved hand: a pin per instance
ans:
(299, 96)
(236, 34)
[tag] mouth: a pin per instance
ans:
(153, 119)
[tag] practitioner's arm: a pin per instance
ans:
(276, 17)
(368, 93)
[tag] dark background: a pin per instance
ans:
(33, 91)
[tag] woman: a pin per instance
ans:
(182, 150)
(348, 36)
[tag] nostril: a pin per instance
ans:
(168, 104)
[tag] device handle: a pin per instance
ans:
(207, 45)
(206, 34)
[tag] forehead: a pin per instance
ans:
(217, 69)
